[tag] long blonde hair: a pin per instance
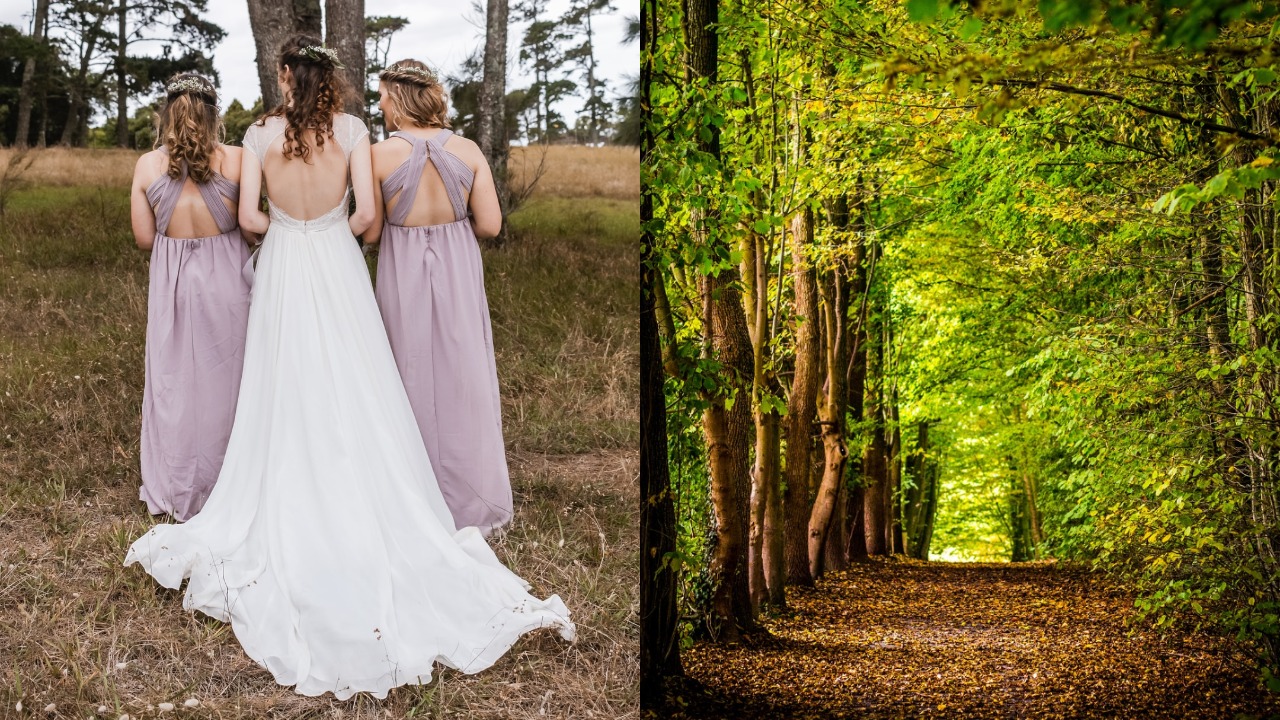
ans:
(189, 125)
(416, 93)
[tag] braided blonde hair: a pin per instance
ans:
(416, 93)
(189, 126)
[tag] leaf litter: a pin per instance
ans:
(908, 639)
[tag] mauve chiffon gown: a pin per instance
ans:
(431, 293)
(197, 313)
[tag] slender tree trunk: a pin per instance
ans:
(76, 101)
(775, 569)
(831, 414)
(764, 477)
(802, 405)
(122, 90)
(493, 139)
(933, 471)
(344, 32)
(875, 475)
(593, 111)
(25, 96)
(895, 473)
(913, 514)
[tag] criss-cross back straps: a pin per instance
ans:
(163, 195)
(454, 173)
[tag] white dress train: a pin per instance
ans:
(326, 542)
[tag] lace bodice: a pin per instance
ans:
(347, 130)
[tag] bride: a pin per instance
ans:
(338, 567)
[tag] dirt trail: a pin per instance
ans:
(911, 640)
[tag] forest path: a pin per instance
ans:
(890, 639)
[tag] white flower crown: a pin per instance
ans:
(320, 54)
(190, 84)
(420, 72)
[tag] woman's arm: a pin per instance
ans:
(252, 219)
(141, 216)
(374, 233)
(362, 187)
(486, 212)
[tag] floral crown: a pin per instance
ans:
(190, 84)
(321, 55)
(423, 73)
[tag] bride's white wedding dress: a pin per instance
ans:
(326, 542)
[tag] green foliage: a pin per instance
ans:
(1073, 201)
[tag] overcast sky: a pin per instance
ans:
(441, 33)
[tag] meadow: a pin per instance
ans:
(90, 638)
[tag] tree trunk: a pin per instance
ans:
(659, 635)
(122, 90)
(895, 472)
(493, 139)
(775, 573)
(727, 420)
(831, 414)
(874, 471)
(764, 493)
(802, 405)
(344, 32)
(1020, 528)
(38, 31)
(273, 21)
(659, 642)
(934, 472)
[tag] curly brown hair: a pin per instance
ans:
(316, 95)
(416, 93)
(189, 126)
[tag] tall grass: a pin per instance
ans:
(567, 170)
(81, 632)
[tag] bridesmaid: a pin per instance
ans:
(431, 290)
(183, 211)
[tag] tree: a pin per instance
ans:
(272, 21)
(659, 638)
(492, 132)
(39, 33)
(379, 31)
(465, 88)
(179, 24)
(540, 52)
(344, 23)
(86, 39)
(577, 22)
(236, 120)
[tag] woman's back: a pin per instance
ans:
(305, 189)
(431, 203)
(191, 215)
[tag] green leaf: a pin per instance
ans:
(922, 10)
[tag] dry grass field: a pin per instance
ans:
(96, 640)
(567, 170)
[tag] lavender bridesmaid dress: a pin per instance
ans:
(431, 294)
(197, 313)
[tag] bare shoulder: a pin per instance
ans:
(231, 157)
(467, 151)
(150, 166)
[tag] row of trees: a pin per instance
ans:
(999, 282)
(80, 55)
